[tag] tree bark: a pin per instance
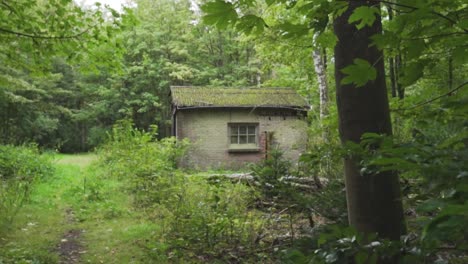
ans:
(450, 72)
(391, 61)
(374, 201)
(321, 73)
(319, 66)
(400, 88)
(392, 77)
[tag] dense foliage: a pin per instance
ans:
(199, 218)
(20, 168)
(69, 73)
(121, 67)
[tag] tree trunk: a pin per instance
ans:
(374, 201)
(320, 71)
(319, 66)
(392, 77)
(391, 60)
(398, 65)
(450, 72)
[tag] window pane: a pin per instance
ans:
(234, 130)
(242, 139)
(234, 140)
(251, 129)
(242, 130)
(251, 139)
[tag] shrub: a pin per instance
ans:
(140, 159)
(269, 172)
(198, 218)
(205, 219)
(20, 168)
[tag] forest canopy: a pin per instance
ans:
(387, 82)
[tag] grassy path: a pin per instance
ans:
(78, 215)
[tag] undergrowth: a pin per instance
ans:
(21, 167)
(199, 219)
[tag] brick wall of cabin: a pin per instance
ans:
(207, 130)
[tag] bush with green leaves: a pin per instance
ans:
(430, 154)
(20, 168)
(198, 217)
(340, 244)
(432, 166)
(324, 161)
(206, 219)
(269, 171)
(436, 181)
(140, 158)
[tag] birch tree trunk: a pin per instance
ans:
(320, 71)
(374, 200)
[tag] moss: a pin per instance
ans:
(188, 96)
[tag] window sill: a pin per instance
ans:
(233, 148)
(245, 149)
(236, 150)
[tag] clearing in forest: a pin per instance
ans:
(75, 216)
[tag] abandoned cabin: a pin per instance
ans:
(228, 127)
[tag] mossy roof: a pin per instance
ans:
(198, 97)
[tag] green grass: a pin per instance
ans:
(39, 226)
(114, 231)
(80, 160)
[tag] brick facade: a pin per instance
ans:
(208, 131)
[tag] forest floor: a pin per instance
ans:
(77, 217)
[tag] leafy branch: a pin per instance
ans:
(34, 36)
(435, 98)
(436, 36)
(9, 7)
(453, 22)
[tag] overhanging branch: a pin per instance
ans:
(434, 99)
(453, 22)
(34, 36)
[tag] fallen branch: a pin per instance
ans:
(307, 183)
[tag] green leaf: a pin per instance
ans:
(393, 164)
(430, 205)
(339, 8)
(384, 41)
(114, 12)
(289, 30)
(454, 139)
(411, 73)
(366, 15)
(442, 221)
(414, 49)
(219, 14)
(360, 257)
(359, 73)
(463, 23)
(326, 39)
(251, 24)
(460, 55)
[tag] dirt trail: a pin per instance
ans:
(70, 247)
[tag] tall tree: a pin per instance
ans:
(374, 200)
(36, 93)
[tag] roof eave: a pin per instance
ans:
(297, 108)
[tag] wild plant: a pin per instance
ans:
(20, 168)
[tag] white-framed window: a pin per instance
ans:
(243, 133)
(243, 137)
